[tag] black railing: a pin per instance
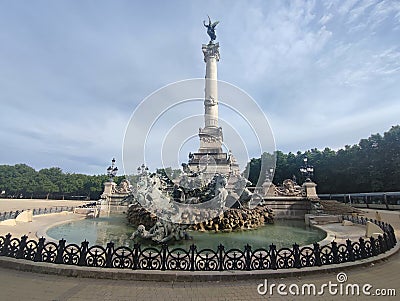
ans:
(39, 211)
(373, 200)
(151, 258)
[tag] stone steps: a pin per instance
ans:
(286, 208)
(338, 208)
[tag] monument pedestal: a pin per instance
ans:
(212, 163)
(310, 190)
(109, 189)
(210, 158)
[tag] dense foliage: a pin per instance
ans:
(371, 165)
(21, 180)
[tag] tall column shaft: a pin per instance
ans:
(211, 135)
(211, 57)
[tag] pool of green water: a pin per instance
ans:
(100, 231)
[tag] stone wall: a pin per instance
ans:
(288, 208)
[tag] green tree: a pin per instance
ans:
(371, 165)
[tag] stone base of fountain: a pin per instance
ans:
(137, 215)
(229, 220)
(238, 219)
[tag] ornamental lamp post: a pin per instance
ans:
(270, 173)
(265, 187)
(142, 169)
(307, 170)
(112, 170)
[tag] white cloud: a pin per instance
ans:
(325, 19)
(345, 6)
(71, 74)
(369, 15)
(358, 11)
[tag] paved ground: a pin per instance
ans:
(16, 285)
(28, 286)
(39, 225)
(19, 204)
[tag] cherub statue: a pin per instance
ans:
(211, 28)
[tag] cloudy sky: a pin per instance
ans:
(325, 73)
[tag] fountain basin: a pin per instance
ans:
(100, 231)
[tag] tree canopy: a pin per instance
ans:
(371, 165)
(21, 180)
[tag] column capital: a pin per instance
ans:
(211, 50)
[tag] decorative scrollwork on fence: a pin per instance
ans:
(49, 252)
(207, 260)
(356, 250)
(179, 259)
(96, 257)
(150, 259)
(13, 247)
(234, 260)
(260, 260)
(30, 250)
(71, 255)
(2, 242)
(285, 258)
(368, 248)
(326, 255)
(307, 257)
(343, 255)
(122, 258)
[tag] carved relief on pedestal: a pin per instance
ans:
(210, 139)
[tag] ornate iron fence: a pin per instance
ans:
(36, 211)
(39, 211)
(152, 258)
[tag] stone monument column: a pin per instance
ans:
(211, 57)
(211, 135)
(210, 158)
